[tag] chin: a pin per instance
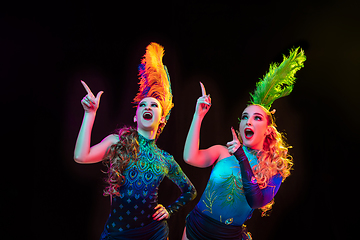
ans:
(149, 126)
(247, 145)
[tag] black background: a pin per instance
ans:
(46, 48)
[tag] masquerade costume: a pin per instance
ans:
(225, 199)
(232, 192)
(279, 81)
(155, 79)
(132, 209)
(131, 212)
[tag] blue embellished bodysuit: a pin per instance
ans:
(231, 193)
(139, 194)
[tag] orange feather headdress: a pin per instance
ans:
(154, 79)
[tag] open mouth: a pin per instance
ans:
(147, 116)
(249, 133)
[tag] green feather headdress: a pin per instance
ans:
(279, 81)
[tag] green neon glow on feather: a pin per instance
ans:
(279, 81)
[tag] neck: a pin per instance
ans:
(257, 147)
(147, 134)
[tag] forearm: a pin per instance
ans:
(255, 196)
(252, 191)
(188, 191)
(82, 147)
(185, 198)
(191, 149)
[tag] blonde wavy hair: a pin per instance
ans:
(272, 159)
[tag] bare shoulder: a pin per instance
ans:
(222, 150)
(219, 148)
(111, 139)
(207, 157)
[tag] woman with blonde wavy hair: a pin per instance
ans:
(136, 166)
(246, 175)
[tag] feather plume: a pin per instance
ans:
(279, 81)
(155, 79)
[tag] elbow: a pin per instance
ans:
(187, 155)
(194, 194)
(188, 161)
(192, 161)
(187, 158)
(256, 203)
(78, 159)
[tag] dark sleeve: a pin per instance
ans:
(255, 196)
(188, 191)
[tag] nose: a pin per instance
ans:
(249, 123)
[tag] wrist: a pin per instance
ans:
(170, 212)
(90, 114)
(198, 117)
(240, 154)
(89, 118)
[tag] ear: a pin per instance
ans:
(135, 120)
(268, 130)
(162, 119)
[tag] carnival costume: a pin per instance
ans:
(133, 205)
(232, 192)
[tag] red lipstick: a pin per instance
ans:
(249, 133)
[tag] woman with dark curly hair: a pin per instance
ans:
(245, 176)
(136, 166)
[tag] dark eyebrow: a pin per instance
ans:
(245, 113)
(259, 114)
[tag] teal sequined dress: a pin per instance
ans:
(230, 197)
(139, 195)
(224, 198)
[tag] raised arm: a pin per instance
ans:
(83, 153)
(192, 155)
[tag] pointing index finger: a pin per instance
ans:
(234, 134)
(87, 89)
(203, 91)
